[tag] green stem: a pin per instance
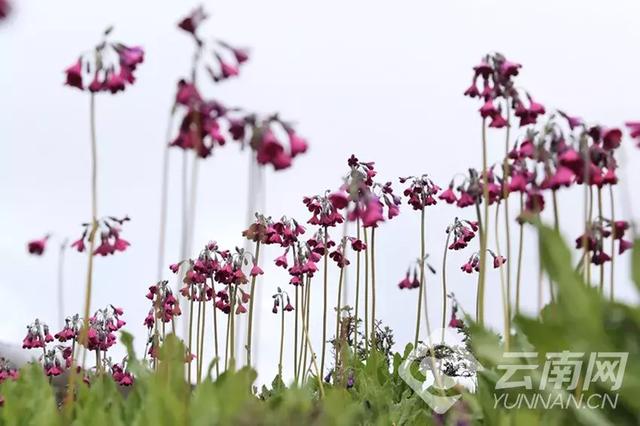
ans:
(324, 301)
(483, 237)
(600, 210)
(253, 292)
(503, 289)
(198, 328)
(366, 290)
(613, 243)
(337, 344)
(520, 250)
(505, 196)
(281, 340)
(478, 288)
(215, 329)
(190, 346)
(295, 336)
(444, 283)
(355, 334)
(421, 287)
(373, 287)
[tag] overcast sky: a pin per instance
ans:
(379, 79)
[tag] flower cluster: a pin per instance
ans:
(102, 326)
(471, 189)
(338, 255)
(121, 375)
(225, 60)
(164, 304)
(71, 329)
(454, 322)
(110, 66)
(285, 232)
(473, 264)
(599, 230)
(497, 74)
(37, 247)
(421, 191)
(279, 300)
(325, 208)
(207, 123)
(634, 131)
(7, 372)
(463, 232)
(367, 198)
(110, 240)
(38, 335)
(411, 279)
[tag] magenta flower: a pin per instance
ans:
(191, 23)
(373, 213)
(611, 138)
(448, 195)
(37, 247)
(256, 270)
(106, 73)
(488, 109)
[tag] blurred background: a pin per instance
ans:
(377, 79)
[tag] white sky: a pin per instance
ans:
(384, 82)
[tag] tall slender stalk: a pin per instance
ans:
(600, 211)
(478, 288)
(198, 332)
(503, 286)
(251, 299)
(338, 308)
(357, 304)
(520, 250)
(421, 287)
(94, 222)
(444, 283)
(232, 331)
(164, 195)
(366, 290)
(190, 331)
(613, 244)
(505, 197)
(61, 252)
(214, 310)
(483, 236)
(281, 341)
(325, 301)
(307, 309)
(373, 287)
(295, 335)
(202, 333)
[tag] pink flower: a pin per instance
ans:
(74, 75)
(228, 70)
(175, 267)
(104, 249)
(509, 69)
(187, 94)
(240, 309)
(405, 283)
(518, 183)
(121, 244)
(282, 261)
(297, 144)
(115, 83)
(634, 130)
(373, 212)
(624, 245)
(611, 138)
(191, 23)
(488, 109)
(448, 195)
(563, 177)
(572, 121)
(472, 91)
(37, 246)
(288, 307)
(241, 55)
(467, 267)
(256, 270)
(130, 57)
(339, 199)
(498, 261)
(498, 121)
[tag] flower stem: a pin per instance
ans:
(190, 346)
(164, 192)
(505, 195)
(373, 287)
(520, 249)
(295, 336)
(232, 332)
(357, 304)
(202, 330)
(253, 292)
(484, 235)
(600, 210)
(198, 331)
(613, 244)
(366, 290)
(503, 286)
(215, 328)
(337, 344)
(444, 283)
(324, 304)
(421, 287)
(61, 283)
(281, 341)
(478, 288)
